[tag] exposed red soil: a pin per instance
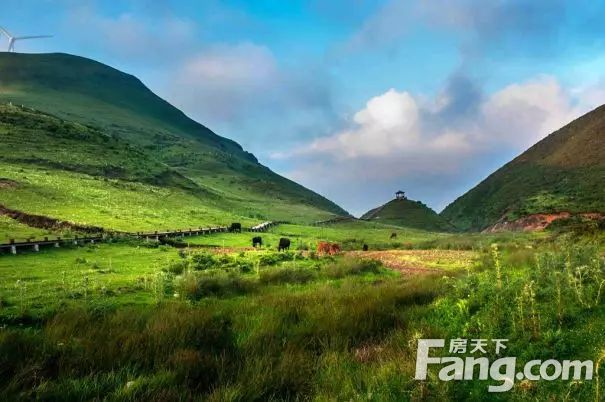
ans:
(536, 222)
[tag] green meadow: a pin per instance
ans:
(114, 204)
(131, 320)
(11, 229)
(350, 235)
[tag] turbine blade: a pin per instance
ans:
(5, 32)
(33, 37)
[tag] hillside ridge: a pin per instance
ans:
(84, 117)
(565, 171)
(407, 213)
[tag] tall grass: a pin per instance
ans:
(269, 349)
(334, 329)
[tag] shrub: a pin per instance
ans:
(244, 266)
(203, 261)
(274, 258)
(352, 244)
(195, 287)
(300, 246)
(178, 267)
(286, 275)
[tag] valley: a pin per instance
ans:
(208, 316)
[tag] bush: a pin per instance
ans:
(352, 244)
(274, 258)
(204, 261)
(195, 287)
(351, 266)
(286, 275)
(178, 267)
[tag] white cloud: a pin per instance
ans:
(241, 91)
(242, 65)
(522, 114)
(221, 80)
(398, 138)
(388, 121)
(133, 37)
(395, 124)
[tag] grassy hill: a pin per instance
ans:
(563, 172)
(91, 144)
(407, 213)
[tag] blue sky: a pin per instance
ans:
(354, 99)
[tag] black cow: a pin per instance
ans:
(235, 227)
(365, 247)
(284, 244)
(393, 235)
(257, 241)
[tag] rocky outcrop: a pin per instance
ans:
(536, 222)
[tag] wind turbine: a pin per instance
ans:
(12, 39)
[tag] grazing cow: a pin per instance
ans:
(257, 241)
(323, 248)
(393, 235)
(365, 247)
(235, 227)
(284, 244)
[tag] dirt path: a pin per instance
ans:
(415, 262)
(386, 258)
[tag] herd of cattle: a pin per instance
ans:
(323, 247)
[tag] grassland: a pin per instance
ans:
(11, 229)
(42, 282)
(127, 269)
(351, 236)
(421, 261)
(110, 203)
(132, 320)
(73, 172)
(80, 116)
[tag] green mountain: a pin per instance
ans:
(90, 144)
(407, 213)
(565, 172)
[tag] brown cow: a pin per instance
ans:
(323, 248)
(326, 248)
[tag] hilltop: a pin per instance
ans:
(562, 175)
(93, 145)
(407, 213)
